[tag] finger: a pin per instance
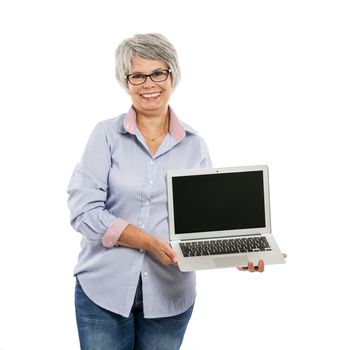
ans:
(165, 259)
(261, 266)
(251, 266)
(171, 254)
(241, 268)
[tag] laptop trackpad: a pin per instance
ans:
(231, 261)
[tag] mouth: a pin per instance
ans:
(150, 96)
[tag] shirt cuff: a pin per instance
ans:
(110, 238)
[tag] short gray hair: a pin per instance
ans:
(150, 46)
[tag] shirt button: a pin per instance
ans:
(151, 162)
(147, 203)
(145, 273)
(151, 182)
(141, 250)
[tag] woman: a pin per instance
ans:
(130, 293)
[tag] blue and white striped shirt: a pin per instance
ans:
(117, 182)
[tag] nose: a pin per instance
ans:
(148, 82)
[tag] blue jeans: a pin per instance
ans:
(100, 329)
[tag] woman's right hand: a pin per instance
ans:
(163, 251)
(134, 237)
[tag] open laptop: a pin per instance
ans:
(220, 217)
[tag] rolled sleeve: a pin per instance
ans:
(110, 238)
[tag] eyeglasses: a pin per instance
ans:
(157, 77)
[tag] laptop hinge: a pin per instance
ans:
(221, 237)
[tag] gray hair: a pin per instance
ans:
(150, 46)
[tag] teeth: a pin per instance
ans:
(151, 95)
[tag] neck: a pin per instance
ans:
(152, 124)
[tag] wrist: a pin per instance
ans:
(134, 237)
(149, 242)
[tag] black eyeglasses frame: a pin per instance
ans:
(150, 76)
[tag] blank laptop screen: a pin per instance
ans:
(216, 202)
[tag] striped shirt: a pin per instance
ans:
(118, 181)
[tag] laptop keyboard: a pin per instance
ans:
(225, 246)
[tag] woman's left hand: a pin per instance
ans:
(252, 268)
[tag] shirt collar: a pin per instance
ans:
(177, 129)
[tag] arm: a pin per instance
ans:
(88, 191)
(133, 237)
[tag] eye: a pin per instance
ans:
(137, 76)
(158, 74)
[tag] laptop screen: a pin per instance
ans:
(217, 202)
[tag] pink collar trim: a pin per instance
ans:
(176, 129)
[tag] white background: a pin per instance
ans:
(264, 82)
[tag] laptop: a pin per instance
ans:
(220, 217)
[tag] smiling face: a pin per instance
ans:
(150, 98)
